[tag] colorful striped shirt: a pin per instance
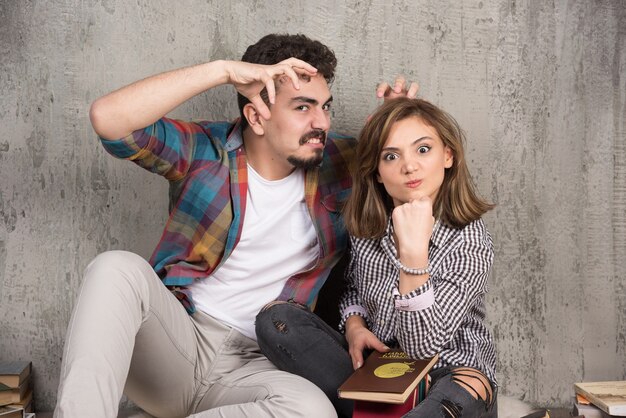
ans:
(205, 163)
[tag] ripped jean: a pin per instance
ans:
(447, 399)
(298, 341)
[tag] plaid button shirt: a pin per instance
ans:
(205, 163)
(451, 321)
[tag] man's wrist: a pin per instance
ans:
(221, 70)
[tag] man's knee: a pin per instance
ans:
(317, 404)
(121, 270)
(120, 257)
(310, 401)
(117, 259)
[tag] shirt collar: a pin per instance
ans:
(235, 138)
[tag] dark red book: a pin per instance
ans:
(365, 409)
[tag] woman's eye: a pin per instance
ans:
(423, 149)
(390, 157)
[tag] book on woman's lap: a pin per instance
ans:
(367, 409)
(387, 384)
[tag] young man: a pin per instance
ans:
(254, 217)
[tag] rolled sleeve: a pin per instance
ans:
(353, 310)
(417, 300)
(165, 147)
(129, 146)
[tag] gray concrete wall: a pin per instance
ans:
(540, 87)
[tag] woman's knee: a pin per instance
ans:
(458, 392)
(473, 381)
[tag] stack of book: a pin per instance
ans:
(387, 385)
(16, 388)
(600, 399)
(12, 412)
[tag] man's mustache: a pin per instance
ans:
(315, 133)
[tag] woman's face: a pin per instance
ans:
(412, 162)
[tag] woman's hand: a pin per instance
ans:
(359, 338)
(413, 224)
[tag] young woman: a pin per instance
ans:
(417, 278)
(420, 256)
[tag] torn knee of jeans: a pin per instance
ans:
(272, 303)
(451, 409)
(474, 382)
(280, 326)
(287, 352)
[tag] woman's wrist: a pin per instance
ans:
(409, 262)
(355, 321)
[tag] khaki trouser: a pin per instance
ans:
(128, 334)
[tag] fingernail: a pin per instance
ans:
(358, 365)
(387, 348)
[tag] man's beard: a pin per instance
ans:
(307, 163)
(314, 161)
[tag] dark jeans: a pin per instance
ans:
(298, 341)
(445, 392)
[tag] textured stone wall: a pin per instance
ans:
(539, 86)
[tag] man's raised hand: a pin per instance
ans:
(250, 79)
(399, 89)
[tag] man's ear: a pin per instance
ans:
(254, 119)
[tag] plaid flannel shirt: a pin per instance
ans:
(205, 163)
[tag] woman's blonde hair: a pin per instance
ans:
(369, 206)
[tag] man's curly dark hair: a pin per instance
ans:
(274, 48)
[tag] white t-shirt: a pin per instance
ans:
(278, 240)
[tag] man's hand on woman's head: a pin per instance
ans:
(399, 88)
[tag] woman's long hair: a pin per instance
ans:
(369, 206)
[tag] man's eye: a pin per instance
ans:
(326, 107)
(302, 108)
(423, 149)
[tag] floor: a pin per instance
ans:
(554, 413)
(560, 413)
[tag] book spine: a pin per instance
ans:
(421, 390)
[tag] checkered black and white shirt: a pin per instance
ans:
(445, 315)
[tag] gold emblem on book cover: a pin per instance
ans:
(390, 370)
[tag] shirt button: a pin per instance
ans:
(381, 322)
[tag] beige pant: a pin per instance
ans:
(128, 334)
